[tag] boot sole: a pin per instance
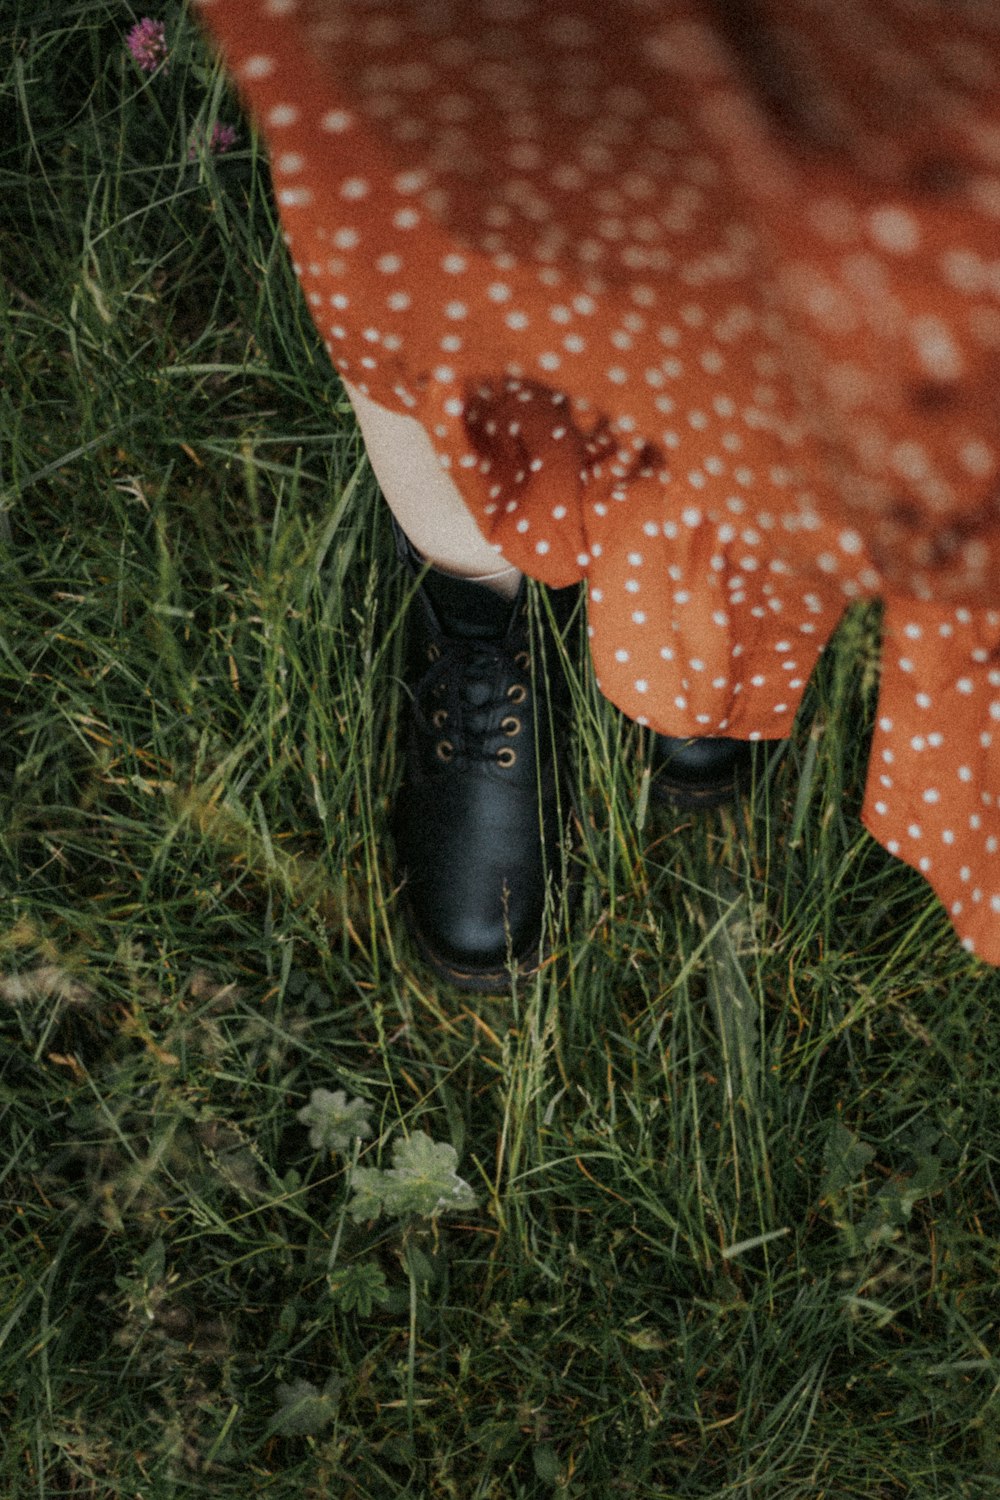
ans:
(692, 798)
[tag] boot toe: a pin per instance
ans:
(475, 884)
(474, 939)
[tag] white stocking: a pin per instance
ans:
(424, 499)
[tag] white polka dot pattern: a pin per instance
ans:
(710, 318)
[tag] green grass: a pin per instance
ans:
(735, 1148)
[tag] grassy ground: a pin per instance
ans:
(733, 1152)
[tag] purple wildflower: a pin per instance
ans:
(147, 42)
(222, 139)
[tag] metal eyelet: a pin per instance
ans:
(517, 692)
(523, 660)
(445, 750)
(433, 652)
(506, 756)
(514, 726)
(439, 718)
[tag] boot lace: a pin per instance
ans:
(470, 701)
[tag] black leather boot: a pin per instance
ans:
(477, 822)
(700, 772)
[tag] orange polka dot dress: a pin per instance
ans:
(699, 301)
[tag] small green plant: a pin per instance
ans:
(304, 1409)
(421, 1183)
(358, 1287)
(335, 1122)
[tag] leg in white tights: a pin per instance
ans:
(424, 499)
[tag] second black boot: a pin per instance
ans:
(704, 772)
(479, 820)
